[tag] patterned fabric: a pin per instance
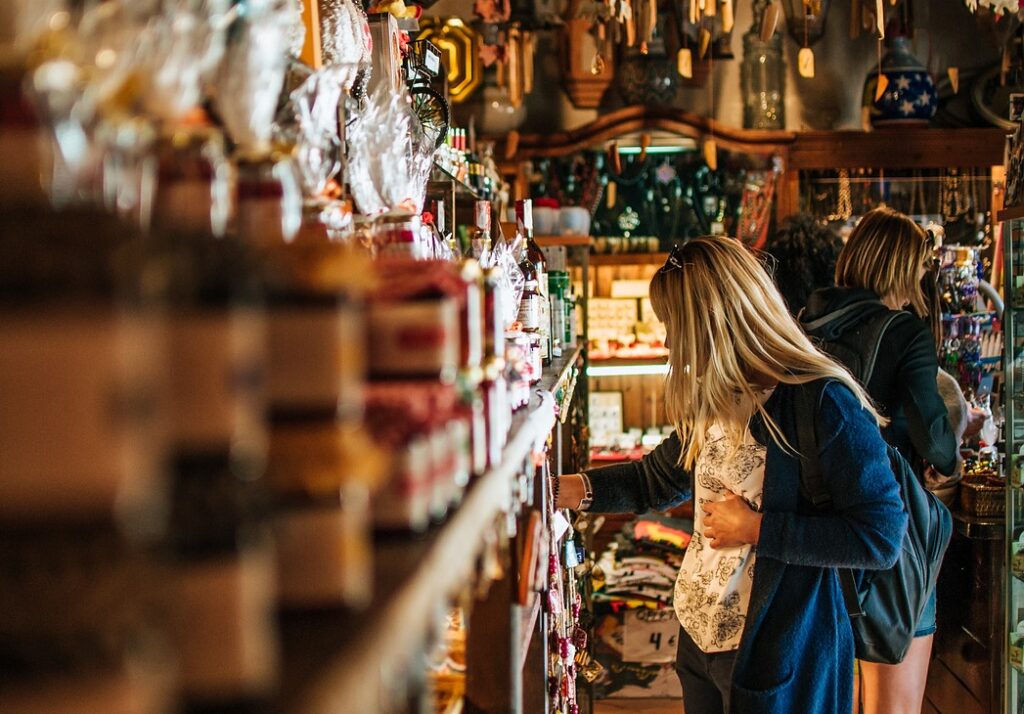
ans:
(713, 587)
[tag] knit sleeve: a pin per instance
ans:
(927, 417)
(865, 526)
(656, 482)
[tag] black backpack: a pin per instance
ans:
(857, 348)
(887, 605)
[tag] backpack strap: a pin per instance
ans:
(871, 340)
(829, 317)
(812, 483)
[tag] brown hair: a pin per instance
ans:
(885, 254)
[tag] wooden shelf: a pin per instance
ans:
(440, 175)
(628, 361)
(567, 240)
(1012, 213)
(897, 147)
(528, 622)
(628, 259)
(640, 118)
(341, 661)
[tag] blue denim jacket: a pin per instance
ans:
(796, 652)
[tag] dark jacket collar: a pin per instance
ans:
(830, 312)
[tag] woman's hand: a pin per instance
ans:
(975, 420)
(731, 522)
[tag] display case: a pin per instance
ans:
(1013, 257)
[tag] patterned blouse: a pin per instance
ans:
(713, 587)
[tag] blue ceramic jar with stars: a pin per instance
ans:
(910, 98)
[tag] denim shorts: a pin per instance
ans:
(926, 625)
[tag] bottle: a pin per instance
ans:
(556, 281)
(529, 318)
(481, 240)
(533, 258)
(82, 473)
(219, 535)
(319, 464)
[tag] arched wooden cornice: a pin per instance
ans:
(643, 118)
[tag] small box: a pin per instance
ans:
(605, 417)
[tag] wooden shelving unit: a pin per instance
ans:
(892, 148)
(566, 240)
(628, 259)
(342, 661)
(1013, 213)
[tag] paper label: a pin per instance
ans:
(80, 424)
(650, 636)
(529, 312)
(315, 358)
(216, 362)
(414, 338)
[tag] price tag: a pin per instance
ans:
(684, 63)
(728, 19)
(572, 558)
(559, 525)
(883, 84)
(711, 154)
(650, 636)
(805, 62)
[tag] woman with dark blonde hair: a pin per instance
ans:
(763, 621)
(880, 271)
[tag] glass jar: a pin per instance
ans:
(763, 77)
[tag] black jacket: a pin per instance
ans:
(903, 384)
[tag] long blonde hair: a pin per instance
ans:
(728, 326)
(884, 254)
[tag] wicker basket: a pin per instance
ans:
(982, 499)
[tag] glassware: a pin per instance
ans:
(763, 76)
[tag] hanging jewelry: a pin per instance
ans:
(844, 203)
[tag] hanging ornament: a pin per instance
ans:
(769, 21)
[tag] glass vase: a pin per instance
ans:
(763, 78)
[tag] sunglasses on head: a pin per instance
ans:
(675, 260)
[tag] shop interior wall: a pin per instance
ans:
(947, 35)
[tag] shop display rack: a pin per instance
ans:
(341, 661)
(1013, 584)
(441, 175)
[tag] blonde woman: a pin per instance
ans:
(880, 271)
(763, 623)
